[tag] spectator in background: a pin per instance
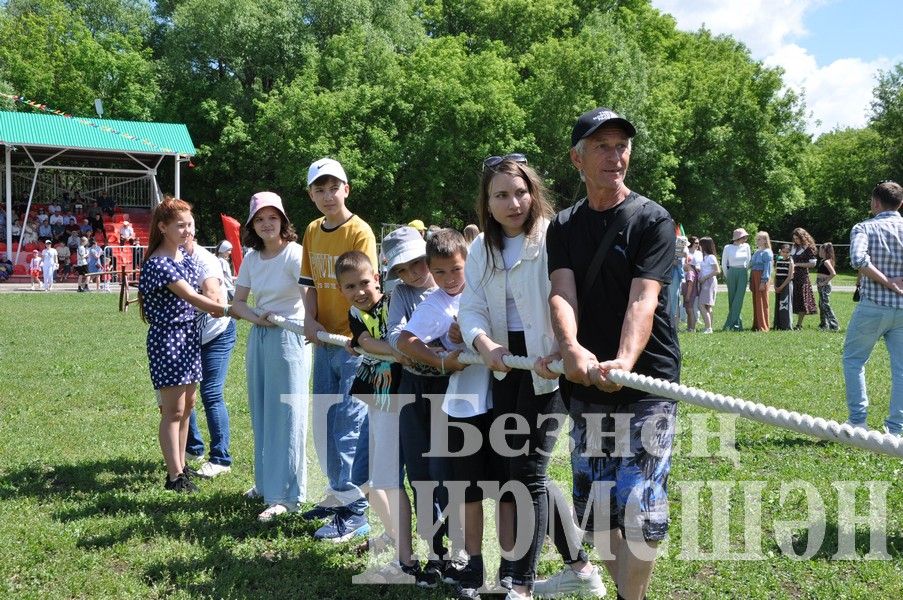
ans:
(876, 251)
(42, 217)
(6, 267)
(826, 273)
(126, 233)
(94, 264)
(803, 253)
(16, 228)
(81, 264)
(107, 204)
(470, 233)
(54, 209)
(708, 282)
(760, 267)
(30, 234)
(57, 224)
(44, 229)
(86, 228)
(223, 254)
(50, 262)
(419, 226)
(431, 230)
(783, 289)
(677, 278)
(63, 254)
(74, 241)
(691, 286)
(735, 262)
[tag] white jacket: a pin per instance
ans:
(483, 304)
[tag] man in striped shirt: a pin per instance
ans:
(876, 251)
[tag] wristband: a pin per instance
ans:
(442, 364)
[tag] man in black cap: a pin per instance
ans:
(610, 261)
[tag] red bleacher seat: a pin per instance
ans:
(19, 270)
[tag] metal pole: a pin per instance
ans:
(178, 177)
(9, 198)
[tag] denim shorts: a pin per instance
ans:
(625, 476)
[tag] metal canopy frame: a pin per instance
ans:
(54, 158)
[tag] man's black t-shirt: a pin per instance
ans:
(643, 249)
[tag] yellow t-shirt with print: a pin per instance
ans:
(322, 247)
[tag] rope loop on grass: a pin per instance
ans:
(817, 427)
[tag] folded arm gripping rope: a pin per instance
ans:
(802, 423)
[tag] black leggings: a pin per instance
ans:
(514, 395)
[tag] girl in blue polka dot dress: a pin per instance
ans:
(166, 292)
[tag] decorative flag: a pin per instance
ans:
(232, 229)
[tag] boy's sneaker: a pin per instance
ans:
(446, 571)
(193, 457)
(504, 573)
(324, 510)
(471, 578)
(571, 583)
(180, 484)
(344, 525)
(394, 573)
(209, 470)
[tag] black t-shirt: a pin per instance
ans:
(376, 381)
(643, 249)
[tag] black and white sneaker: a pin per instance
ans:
(470, 579)
(180, 484)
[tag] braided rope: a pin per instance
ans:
(817, 427)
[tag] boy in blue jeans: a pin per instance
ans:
(326, 309)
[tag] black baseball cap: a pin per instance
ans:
(592, 120)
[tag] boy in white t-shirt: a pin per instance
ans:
(425, 339)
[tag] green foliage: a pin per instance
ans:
(411, 94)
(49, 53)
(888, 120)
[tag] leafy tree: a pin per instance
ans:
(49, 54)
(887, 119)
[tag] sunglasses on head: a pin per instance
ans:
(492, 162)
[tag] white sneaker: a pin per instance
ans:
(709, 330)
(193, 457)
(272, 512)
(570, 583)
(252, 494)
(391, 573)
(513, 595)
(209, 470)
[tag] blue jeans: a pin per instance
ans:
(869, 323)
(677, 276)
(336, 443)
(215, 356)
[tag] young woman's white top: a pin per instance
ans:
(274, 281)
(484, 300)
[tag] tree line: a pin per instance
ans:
(411, 95)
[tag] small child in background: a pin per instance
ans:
(34, 269)
(826, 273)
(707, 282)
(783, 289)
(376, 384)
(223, 254)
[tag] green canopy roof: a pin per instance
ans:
(100, 135)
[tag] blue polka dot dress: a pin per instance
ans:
(173, 341)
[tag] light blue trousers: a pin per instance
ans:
(279, 366)
(869, 323)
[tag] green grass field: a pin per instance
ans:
(83, 513)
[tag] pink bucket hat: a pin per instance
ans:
(262, 200)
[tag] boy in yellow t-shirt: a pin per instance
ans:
(326, 309)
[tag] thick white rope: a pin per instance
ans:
(802, 423)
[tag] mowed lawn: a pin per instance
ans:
(83, 513)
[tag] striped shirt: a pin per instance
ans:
(879, 242)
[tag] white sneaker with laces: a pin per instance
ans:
(272, 512)
(391, 573)
(709, 330)
(209, 470)
(571, 583)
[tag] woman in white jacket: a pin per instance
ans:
(504, 310)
